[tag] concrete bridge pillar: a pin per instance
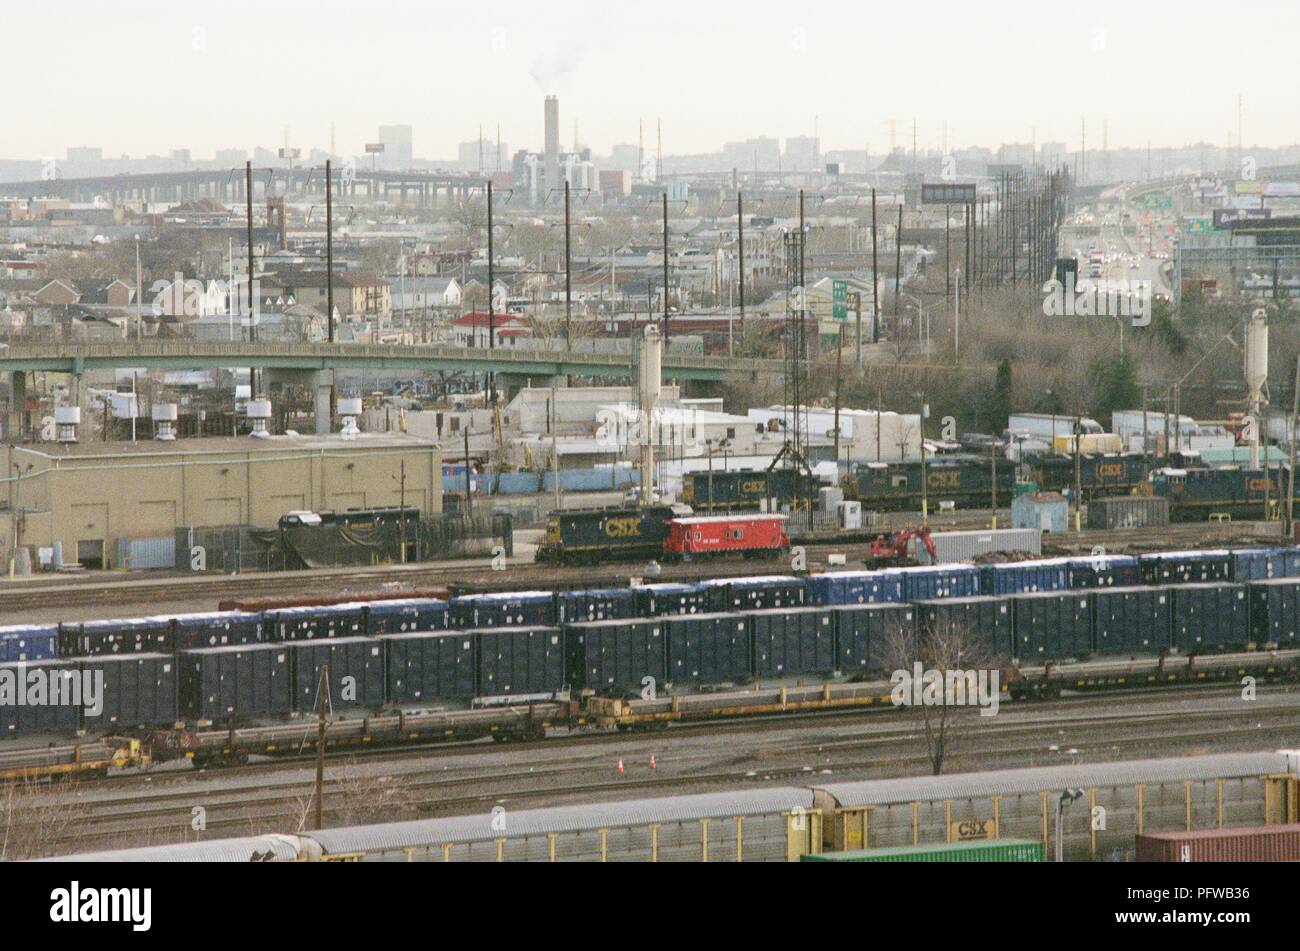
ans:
(324, 401)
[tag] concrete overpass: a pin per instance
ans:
(198, 354)
(312, 364)
(227, 185)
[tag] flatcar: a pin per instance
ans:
(965, 480)
(710, 535)
(741, 490)
(620, 533)
(1196, 495)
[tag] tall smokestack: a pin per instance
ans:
(551, 158)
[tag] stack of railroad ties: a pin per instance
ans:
(218, 670)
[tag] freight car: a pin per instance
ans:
(1196, 495)
(745, 490)
(751, 536)
(588, 536)
(967, 481)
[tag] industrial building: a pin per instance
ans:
(87, 497)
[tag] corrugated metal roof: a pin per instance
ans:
(283, 848)
(634, 812)
(1003, 782)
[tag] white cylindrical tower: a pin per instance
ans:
(1256, 375)
(649, 385)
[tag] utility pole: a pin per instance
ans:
(469, 496)
(839, 356)
(993, 478)
(568, 287)
(1078, 481)
(401, 519)
(252, 325)
(875, 287)
(329, 256)
(898, 260)
(666, 333)
(492, 337)
(740, 234)
(322, 700)
(1290, 492)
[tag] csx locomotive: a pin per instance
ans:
(1197, 494)
(743, 490)
(963, 479)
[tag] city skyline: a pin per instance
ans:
(232, 86)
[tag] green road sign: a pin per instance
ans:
(1157, 200)
(840, 300)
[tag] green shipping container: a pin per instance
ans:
(1025, 488)
(992, 850)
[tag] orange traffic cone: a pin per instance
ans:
(620, 767)
(652, 761)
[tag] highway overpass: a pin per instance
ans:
(196, 354)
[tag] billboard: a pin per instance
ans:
(1226, 216)
(1282, 189)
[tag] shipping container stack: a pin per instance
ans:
(1186, 567)
(138, 690)
(615, 655)
(1104, 571)
(939, 581)
(1131, 619)
(761, 593)
(406, 616)
(238, 681)
(115, 636)
(1260, 564)
(1275, 611)
(1052, 626)
(20, 718)
(855, 587)
(986, 622)
(356, 673)
(519, 661)
(1209, 616)
(507, 609)
(595, 604)
(1025, 577)
(863, 633)
(27, 642)
(656, 600)
(793, 641)
(708, 648)
(215, 629)
(425, 667)
(316, 623)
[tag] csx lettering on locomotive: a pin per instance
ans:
(623, 527)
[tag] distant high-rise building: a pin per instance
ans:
(181, 156)
(762, 153)
(397, 146)
(802, 152)
(85, 153)
(231, 157)
(551, 151)
(625, 157)
(467, 156)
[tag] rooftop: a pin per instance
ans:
(227, 444)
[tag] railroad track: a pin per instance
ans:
(475, 575)
(157, 809)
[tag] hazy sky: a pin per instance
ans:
(146, 76)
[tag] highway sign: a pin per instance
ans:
(1157, 200)
(373, 147)
(951, 193)
(840, 299)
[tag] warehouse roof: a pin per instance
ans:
(1007, 782)
(227, 444)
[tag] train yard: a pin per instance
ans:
(155, 807)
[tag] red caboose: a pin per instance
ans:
(749, 535)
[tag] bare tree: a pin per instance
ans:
(948, 656)
(36, 820)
